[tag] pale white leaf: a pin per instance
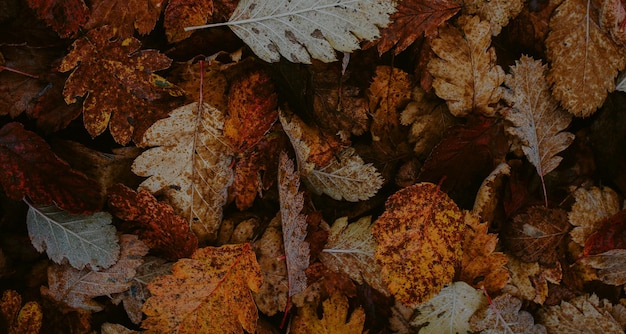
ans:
(82, 240)
(503, 315)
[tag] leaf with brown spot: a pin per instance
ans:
(335, 318)
(419, 242)
(20, 319)
(183, 13)
(65, 17)
(269, 249)
(125, 15)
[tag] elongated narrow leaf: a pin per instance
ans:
(82, 240)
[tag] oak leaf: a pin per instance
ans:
(300, 30)
(269, 249)
(497, 12)
(419, 242)
(20, 319)
(159, 227)
(584, 313)
(32, 169)
(591, 207)
(81, 240)
(610, 265)
(76, 288)
(503, 315)
(182, 13)
(125, 16)
(208, 293)
(536, 117)
(584, 61)
(190, 165)
(65, 17)
(465, 71)
(118, 80)
(335, 318)
(350, 250)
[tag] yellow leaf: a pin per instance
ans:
(20, 319)
(333, 321)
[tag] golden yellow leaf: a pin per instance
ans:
(334, 321)
(20, 319)
(419, 242)
(208, 293)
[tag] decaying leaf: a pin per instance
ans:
(584, 61)
(612, 16)
(81, 240)
(125, 15)
(208, 293)
(190, 165)
(611, 266)
(503, 315)
(20, 319)
(350, 250)
(465, 71)
(65, 17)
(182, 13)
(529, 281)
(335, 318)
(488, 195)
(76, 288)
(419, 242)
(536, 117)
(273, 295)
(301, 30)
(591, 207)
(497, 12)
(585, 314)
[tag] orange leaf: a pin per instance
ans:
(335, 320)
(419, 237)
(20, 319)
(209, 293)
(125, 15)
(183, 13)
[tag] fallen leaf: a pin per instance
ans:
(584, 61)
(109, 328)
(612, 16)
(20, 319)
(611, 266)
(419, 242)
(591, 207)
(65, 17)
(584, 314)
(190, 166)
(529, 281)
(490, 193)
(497, 12)
(503, 315)
(335, 318)
(125, 16)
(269, 249)
(50, 109)
(465, 71)
(208, 293)
(76, 288)
(182, 13)
(80, 240)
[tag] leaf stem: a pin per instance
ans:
(18, 72)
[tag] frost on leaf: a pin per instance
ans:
(272, 297)
(536, 117)
(19, 319)
(497, 12)
(125, 15)
(208, 293)
(450, 310)
(591, 207)
(585, 314)
(301, 30)
(190, 165)
(584, 60)
(119, 82)
(419, 242)
(294, 225)
(76, 288)
(335, 318)
(350, 250)
(82, 240)
(465, 71)
(504, 316)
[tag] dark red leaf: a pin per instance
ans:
(612, 235)
(64, 16)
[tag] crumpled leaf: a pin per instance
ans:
(529, 281)
(294, 225)
(412, 19)
(481, 265)
(301, 30)
(497, 12)
(450, 310)
(583, 60)
(20, 319)
(190, 165)
(81, 240)
(350, 250)
(611, 266)
(31, 169)
(335, 318)
(65, 17)
(612, 16)
(584, 313)
(160, 228)
(125, 15)
(465, 71)
(208, 293)
(419, 242)
(488, 195)
(591, 207)
(76, 288)
(119, 81)
(506, 318)
(536, 117)
(269, 249)
(183, 13)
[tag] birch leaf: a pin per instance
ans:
(82, 240)
(190, 165)
(301, 30)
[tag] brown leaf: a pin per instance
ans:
(612, 17)
(272, 297)
(182, 13)
(335, 318)
(503, 315)
(529, 281)
(125, 16)
(497, 12)
(65, 17)
(584, 314)
(20, 319)
(591, 207)
(611, 266)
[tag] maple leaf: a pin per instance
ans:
(584, 61)
(496, 12)
(294, 224)
(334, 321)
(419, 242)
(465, 71)
(208, 293)
(269, 249)
(111, 70)
(503, 315)
(450, 310)
(190, 165)
(300, 30)
(481, 266)
(182, 13)
(160, 228)
(537, 120)
(125, 16)
(612, 16)
(610, 265)
(20, 319)
(76, 288)
(412, 19)
(350, 250)
(31, 169)
(65, 17)
(591, 207)
(584, 313)
(81, 240)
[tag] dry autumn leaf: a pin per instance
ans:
(273, 295)
(503, 315)
(591, 207)
(20, 319)
(182, 13)
(125, 15)
(419, 242)
(612, 16)
(497, 12)
(208, 293)
(335, 318)
(65, 17)
(465, 71)
(611, 266)
(585, 314)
